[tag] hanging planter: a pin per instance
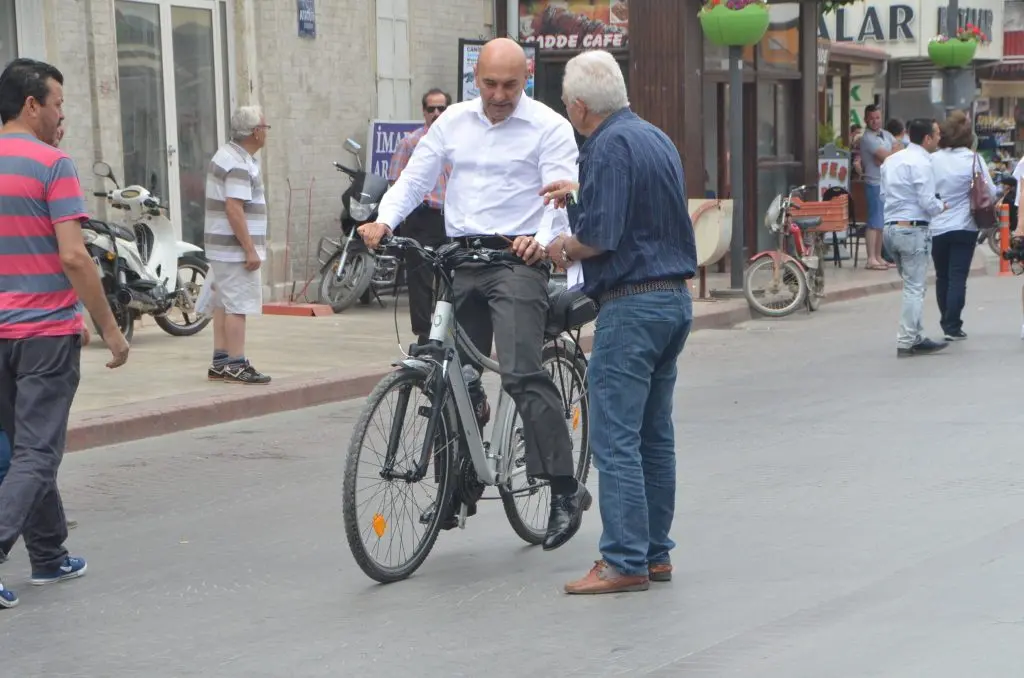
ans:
(956, 52)
(734, 23)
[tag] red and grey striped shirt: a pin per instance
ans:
(39, 188)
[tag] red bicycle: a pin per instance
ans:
(780, 281)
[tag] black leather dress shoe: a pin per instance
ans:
(923, 347)
(566, 516)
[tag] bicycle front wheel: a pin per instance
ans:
(775, 292)
(392, 527)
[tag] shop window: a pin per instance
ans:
(776, 119)
(779, 50)
(8, 33)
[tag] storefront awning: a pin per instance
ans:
(998, 89)
(852, 53)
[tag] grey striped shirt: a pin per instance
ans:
(233, 173)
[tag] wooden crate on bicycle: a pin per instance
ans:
(835, 213)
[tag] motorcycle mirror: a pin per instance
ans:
(352, 147)
(102, 169)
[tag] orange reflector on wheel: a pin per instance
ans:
(379, 525)
(575, 418)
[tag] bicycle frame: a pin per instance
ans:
(439, 360)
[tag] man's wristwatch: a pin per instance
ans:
(565, 255)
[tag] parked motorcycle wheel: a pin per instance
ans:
(125, 318)
(188, 293)
(355, 280)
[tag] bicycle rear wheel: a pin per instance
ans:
(397, 508)
(527, 500)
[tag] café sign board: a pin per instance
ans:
(904, 28)
(576, 25)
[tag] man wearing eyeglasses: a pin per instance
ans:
(426, 222)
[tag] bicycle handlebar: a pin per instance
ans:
(452, 254)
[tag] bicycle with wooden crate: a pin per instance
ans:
(779, 281)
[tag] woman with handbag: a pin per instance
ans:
(963, 181)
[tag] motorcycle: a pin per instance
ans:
(349, 270)
(145, 269)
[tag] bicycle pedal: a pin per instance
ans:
(424, 411)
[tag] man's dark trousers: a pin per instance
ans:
(426, 226)
(38, 380)
(509, 304)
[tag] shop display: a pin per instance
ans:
(734, 23)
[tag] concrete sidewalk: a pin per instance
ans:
(163, 388)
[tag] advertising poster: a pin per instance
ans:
(574, 24)
(383, 142)
(469, 54)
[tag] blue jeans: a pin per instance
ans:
(632, 375)
(5, 454)
(910, 247)
(874, 217)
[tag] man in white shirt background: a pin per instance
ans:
(910, 203)
(503, 148)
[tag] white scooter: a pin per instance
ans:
(144, 268)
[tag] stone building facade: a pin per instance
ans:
(150, 85)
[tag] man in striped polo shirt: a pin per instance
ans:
(44, 269)
(236, 244)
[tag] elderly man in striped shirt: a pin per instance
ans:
(426, 223)
(236, 244)
(44, 269)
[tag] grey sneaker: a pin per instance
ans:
(244, 374)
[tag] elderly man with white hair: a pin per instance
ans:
(633, 236)
(236, 244)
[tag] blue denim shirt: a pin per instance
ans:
(632, 206)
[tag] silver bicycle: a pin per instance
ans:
(433, 467)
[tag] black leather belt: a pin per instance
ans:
(640, 288)
(907, 223)
(490, 242)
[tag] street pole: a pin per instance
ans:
(738, 247)
(950, 74)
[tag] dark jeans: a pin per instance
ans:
(510, 305)
(427, 227)
(5, 454)
(952, 253)
(38, 381)
(632, 376)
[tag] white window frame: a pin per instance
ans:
(391, 105)
(30, 27)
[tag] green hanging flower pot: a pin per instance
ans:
(958, 51)
(951, 53)
(734, 23)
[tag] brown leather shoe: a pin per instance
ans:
(660, 572)
(603, 578)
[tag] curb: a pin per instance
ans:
(173, 414)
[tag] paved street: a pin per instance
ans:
(841, 514)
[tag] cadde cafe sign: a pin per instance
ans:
(903, 29)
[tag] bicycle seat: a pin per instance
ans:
(567, 310)
(807, 222)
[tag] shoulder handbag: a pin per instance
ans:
(983, 205)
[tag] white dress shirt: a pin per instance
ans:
(908, 186)
(497, 171)
(954, 171)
